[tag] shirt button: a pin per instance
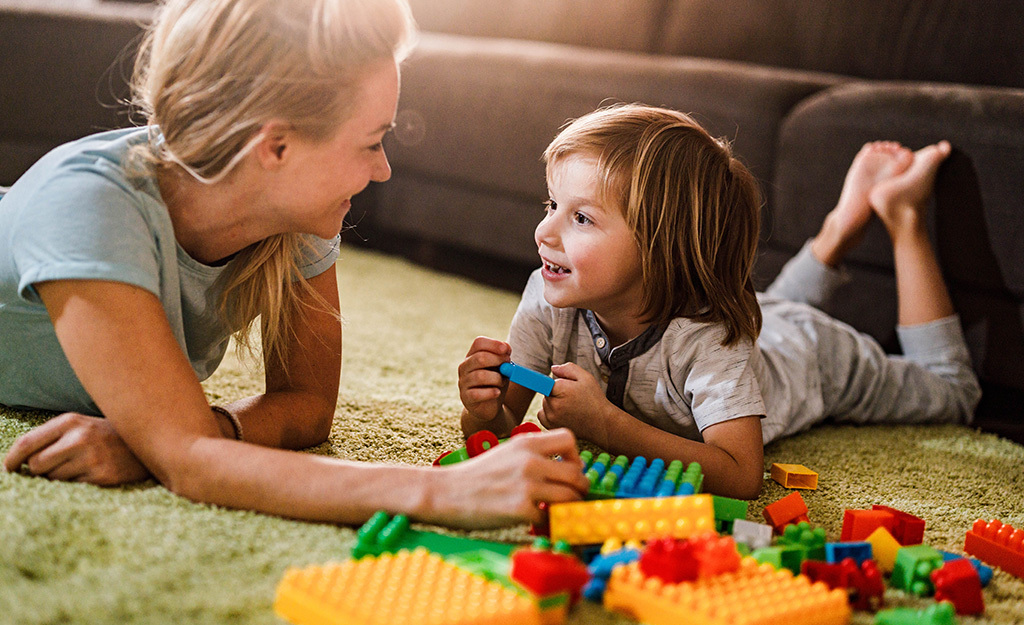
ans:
(600, 342)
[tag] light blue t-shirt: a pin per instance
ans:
(77, 214)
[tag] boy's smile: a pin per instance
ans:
(590, 259)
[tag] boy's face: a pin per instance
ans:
(589, 257)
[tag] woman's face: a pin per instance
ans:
(322, 176)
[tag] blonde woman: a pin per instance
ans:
(130, 257)
(645, 312)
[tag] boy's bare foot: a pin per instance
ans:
(900, 201)
(844, 226)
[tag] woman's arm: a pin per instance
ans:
(731, 456)
(120, 345)
(298, 407)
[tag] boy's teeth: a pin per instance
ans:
(556, 268)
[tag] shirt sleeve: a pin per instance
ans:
(530, 334)
(317, 255)
(716, 381)
(82, 225)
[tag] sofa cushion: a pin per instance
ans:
(65, 75)
(963, 41)
(609, 24)
(977, 218)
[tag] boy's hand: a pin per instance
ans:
(481, 388)
(576, 402)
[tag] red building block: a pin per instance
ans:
(545, 572)
(864, 584)
(958, 583)
(789, 509)
(907, 528)
(674, 561)
(859, 524)
(997, 544)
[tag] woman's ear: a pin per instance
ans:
(276, 145)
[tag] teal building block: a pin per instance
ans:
(913, 569)
(384, 534)
(536, 382)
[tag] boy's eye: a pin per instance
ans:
(550, 206)
(581, 219)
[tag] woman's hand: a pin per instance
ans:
(576, 402)
(481, 388)
(76, 448)
(504, 485)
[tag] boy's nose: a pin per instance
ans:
(546, 232)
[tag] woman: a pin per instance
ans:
(133, 255)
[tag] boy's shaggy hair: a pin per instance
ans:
(694, 209)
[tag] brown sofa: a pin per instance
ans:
(798, 85)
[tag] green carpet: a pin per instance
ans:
(72, 553)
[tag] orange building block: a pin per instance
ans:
(594, 522)
(789, 509)
(756, 594)
(404, 588)
(997, 544)
(794, 476)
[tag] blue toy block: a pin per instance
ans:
(859, 551)
(600, 570)
(536, 382)
(635, 480)
(984, 572)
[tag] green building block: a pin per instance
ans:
(384, 534)
(781, 557)
(913, 569)
(942, 613)
(726, 511)
(802, 535)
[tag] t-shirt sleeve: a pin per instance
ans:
(717, 382)
(530, 334)
(317, 255)
(82, 225)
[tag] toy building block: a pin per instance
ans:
(907, 528)
(859, 551)
(480, 442)
(753, 535)
(794, 476)
(407, 588)
(998, 544)
(884, 548)
(958, 583)
(984, 572)
(622, 478)
(935, 614)
(859, 524)
(600, 569)
(754, 595)
(727, 512)
(913, 568)
(780, 557)
(789, 509)
(536, 382)
(593, 522)
(545, 571)
(864, 584)
(810, 540)
(384, 534)
(673, 561)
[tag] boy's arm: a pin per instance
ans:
(517, 402)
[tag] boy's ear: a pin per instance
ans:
(276, 145)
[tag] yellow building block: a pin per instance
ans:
(593, 522)
(794, 476)
(883, 549)
(405, 588)
(753, 595)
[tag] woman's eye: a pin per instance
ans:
(377, 147)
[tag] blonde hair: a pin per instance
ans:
(210, 73)
(693, 208)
